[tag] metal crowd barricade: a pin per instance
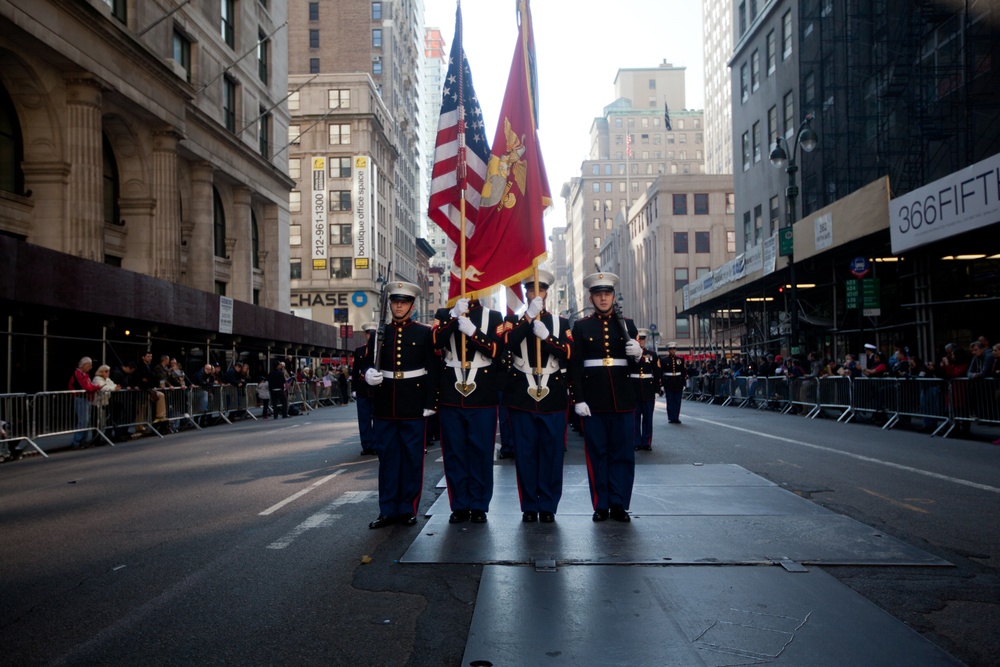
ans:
(251, 399)
(834, 393)
(206, 402)
(975, 400)
(15, 413)
(741, 391)
(803, 392)
(776, 394)
(927, 399)
(178, 404)
(128, 412)
(876, 396)
(64, 413)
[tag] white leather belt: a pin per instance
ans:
(673, 374)
(606, 361)
(641, 376)
(403, 375)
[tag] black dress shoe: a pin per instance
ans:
(529, 517)
(408, 520)
(478, 516)
(618, 513)
(382, 521)
(459, 516)
(546, 517)
(600, 515)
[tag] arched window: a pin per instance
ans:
(219, 226)
(254, 242)
(112, 212)
(11, 147)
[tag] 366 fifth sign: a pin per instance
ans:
(958, 203)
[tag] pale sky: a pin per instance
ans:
(581, 45)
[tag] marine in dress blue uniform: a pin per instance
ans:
(404, 396)
(363, 393)
(536, 396)
(674, 374)
(468, 399)
(646, 382)
(602, 359)
(506, 434)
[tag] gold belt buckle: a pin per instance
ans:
(608, 361)
(466, 364)
(641, 375)
(398, 375)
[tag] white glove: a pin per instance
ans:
(633, 349)
(373, 377)
(535, 307)
(582, 409)
(429, 413)
(354, 394)
(466, 326)
(461, 308)
(540, 329)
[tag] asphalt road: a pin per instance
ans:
(248, 544)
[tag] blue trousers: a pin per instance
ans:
(400, 447)
(468, 438)
(538, 458)
(674, 405)
(644, 423)
(366, 427)
(506, 433)
(81, 410)
(607, 439)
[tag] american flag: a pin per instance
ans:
(450, 153)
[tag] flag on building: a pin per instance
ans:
(628, 144)
(461, 151)
(666, 117)
(508, 239)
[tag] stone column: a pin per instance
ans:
(85, 218)
(201, 247)
(166, 233)
(241, 280)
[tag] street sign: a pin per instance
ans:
(871, 297)
(346, 330)
(852, 289)
(786, 242)
(860, 266)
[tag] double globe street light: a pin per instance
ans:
(807, 139)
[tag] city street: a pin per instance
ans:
(248, 544)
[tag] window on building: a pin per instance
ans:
(731, 241)
(758, 223)
(755, 71)
(772, 124)
(742, 16)
(702, 243)
(596, 186)
(263, 46)
(254, 242)
(786, 35)
(228, 8)
(220, 288)
(680, 278)
(314, 38)
(607, 169)
(112, 192)
(294, 201)
(340, 134)
(341, 267)
(256, 297)
(341, 316)
(264, 133)
(218, 225)
(295, 269)
(314, 65)
(744, 82)
(341, 235)
(314, 11)
(340, 167)
(775, 216)
(118, 9)
(377, 67)
(295, 167)
(609, 223)
(680, 204)
(376, 11)
(293, 101)
(771, 57)
(340, 200)
(295, 235)
(597, 242)
(229, 103)
(597, 223)
(809, 93)
(730, 203)
(597, 205)
(680, 243)
(756, 142)
(753, 10)
(683, 327)
(595, 169)
(339, 98)
(377, 38)
(789, 115)
(607, 186)
(746, 151)
(182, 53)
(701, 203)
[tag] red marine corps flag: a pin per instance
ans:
(508, 240)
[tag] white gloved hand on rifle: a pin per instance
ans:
(582, 409)
(429, 413)
(373, 377)
(633, 349)
(466, 326)
(461, 308)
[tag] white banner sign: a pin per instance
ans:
(225, 315)
(823, 231)
(319, 235)
(960, 202)
(362, 196)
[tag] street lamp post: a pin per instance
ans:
(806, 138)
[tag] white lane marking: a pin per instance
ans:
(321, 519)
(295, 496)
(859, 457)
